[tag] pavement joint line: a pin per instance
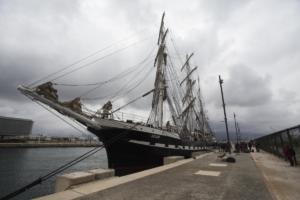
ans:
(98, 186)
(266, 180)
(80, 193)
(217, 165)
(208, 173)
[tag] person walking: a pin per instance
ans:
(257, 147)
(250, 146)
(290, 155)
(293, 156)
(285, 152)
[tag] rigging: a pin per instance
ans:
(101, 58)
(120, 75)
(82, 59)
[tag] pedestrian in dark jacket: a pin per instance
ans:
(257, 147)
(290, 155)
(285, 152)
(250, 146)
(293, 155)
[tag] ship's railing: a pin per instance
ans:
(276, 142)
(122, 116)
(133, 118)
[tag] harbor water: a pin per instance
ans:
(20, 166)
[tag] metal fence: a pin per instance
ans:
(275, 142)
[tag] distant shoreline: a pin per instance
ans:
(41, 145)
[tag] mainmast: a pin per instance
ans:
(159, 95)
(202, 127)
(188, 99)
(203, 123)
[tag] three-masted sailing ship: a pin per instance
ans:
(133, 145)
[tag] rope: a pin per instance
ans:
(64, 120)
(114, 94)
(132, 101)
(101, 58)
(116, 77)
(140, 63)
(80, 60)
(174, 46)
(128, 83)
(137, 84)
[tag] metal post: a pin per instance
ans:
(228, 140)
(290, 138)
(236, 128)
(282, 144)
(239, 131)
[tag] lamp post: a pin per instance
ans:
(236, 128)
(228, 140)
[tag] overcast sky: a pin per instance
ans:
(253, 44)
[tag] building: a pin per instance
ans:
(15, 126)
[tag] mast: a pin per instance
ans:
(188, 98)
(204, 123)
(159, 95)
(202, 126)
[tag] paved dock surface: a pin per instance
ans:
(282, 180)
(258, 176)
(205, 178)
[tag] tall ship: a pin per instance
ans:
(177, 124)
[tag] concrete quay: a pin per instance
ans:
(201, 177)
(46, 145)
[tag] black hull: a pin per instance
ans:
(131, 151)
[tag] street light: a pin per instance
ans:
(225, 118)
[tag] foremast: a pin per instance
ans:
(189, 118)
(159, 94)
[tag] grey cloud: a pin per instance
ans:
(40, 37)
(220, 11)
(245, 87)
